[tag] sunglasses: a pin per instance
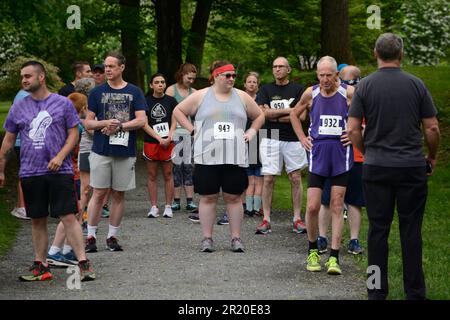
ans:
(229, 75)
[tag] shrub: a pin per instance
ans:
(10, 77)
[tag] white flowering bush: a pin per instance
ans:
(426, 29)
(10, 42)
(10, 77)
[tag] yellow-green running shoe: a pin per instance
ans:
(313, 261)
(333, 266)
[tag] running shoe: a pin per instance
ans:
(354, 247)
(153, 213)
(20, 213)
(176, 206)
(39, 272)
(264, 228)
(333, 266)
(59, 260)
(168, 212)
(237, 245)
(195, 218)
(207, 245)
(224, 220)
(191, 206)
(86, 271)
(91, 244)
(105, 211)
(322, 244)
(313, 261)
(112, 244)
(298, 226)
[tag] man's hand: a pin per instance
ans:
(345, 140)
(55, 163)
(307, 143)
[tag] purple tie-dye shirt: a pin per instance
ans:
(43, 126)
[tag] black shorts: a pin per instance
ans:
(316, 181)
(83, 162)
(52, 192)
(354, 193)
(208, 180)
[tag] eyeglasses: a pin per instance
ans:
(229, 75)
(279, 66)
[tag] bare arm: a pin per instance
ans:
(149, 130)
(275, 114)
(7, 147)
(355, 133)
(299, 111)
(432, 136)
(254, 113)
(138, 122)
(72, 139)
(170, 91)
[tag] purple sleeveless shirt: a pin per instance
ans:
(328, 121)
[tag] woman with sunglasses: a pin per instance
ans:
(221, 113)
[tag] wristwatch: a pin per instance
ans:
(120, 126)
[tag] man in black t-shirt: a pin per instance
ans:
(396, 107)
(277, 100)
(81, 69)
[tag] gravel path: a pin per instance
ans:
(161, 260)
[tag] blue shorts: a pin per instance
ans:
(354, 193)
(253, 171)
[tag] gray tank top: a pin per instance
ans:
(219, 131)
(179, 129)
(86, 142)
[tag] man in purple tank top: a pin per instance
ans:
(330, 155)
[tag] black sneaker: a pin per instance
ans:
(194, 218)
(249, 213)
(91, 244)
(113, 245)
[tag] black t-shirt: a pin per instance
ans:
(280, 97)
(67, 89)
(393, 104)
(159, 115)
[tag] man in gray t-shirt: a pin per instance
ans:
(396, 107)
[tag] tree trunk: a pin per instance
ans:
(335, 33)
(129, 24)
(168, 18)
(194, 52)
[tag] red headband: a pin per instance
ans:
(219, 70)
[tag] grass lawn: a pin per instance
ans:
(4, 108)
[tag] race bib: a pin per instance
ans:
(330, 125)
(120, 138)
(223, 130)
(162, 129)
(281, 104)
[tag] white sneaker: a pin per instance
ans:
(153, 213)
(168, 212)
(20, 213)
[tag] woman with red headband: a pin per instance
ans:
(220, 154)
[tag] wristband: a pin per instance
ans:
(120, 126)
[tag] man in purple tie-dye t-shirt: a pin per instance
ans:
(48, 126)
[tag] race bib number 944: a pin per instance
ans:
(162, 129)
(330, 125)
(223, 130)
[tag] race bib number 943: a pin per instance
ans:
(223, 130)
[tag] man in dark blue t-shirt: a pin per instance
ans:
(116, 110)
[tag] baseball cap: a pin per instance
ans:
(99, 67)
(341, 66)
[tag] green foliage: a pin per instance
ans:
(8, 224)
(426, 28)
(10, 78)
(10, 42)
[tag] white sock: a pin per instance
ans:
(257, 203)
(66, 249)
(112, 232)
(92, 231)
(249, 203)
(54, 250)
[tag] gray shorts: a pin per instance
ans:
(117, 173)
